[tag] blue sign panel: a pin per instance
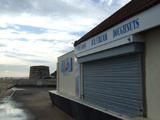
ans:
(66, 65)
(99, 39)
(126, 28)
(81, 47)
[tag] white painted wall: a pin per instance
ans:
(66, 80)
(152, 61)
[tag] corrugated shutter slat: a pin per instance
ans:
(114, 82)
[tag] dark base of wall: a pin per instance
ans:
(79, 111)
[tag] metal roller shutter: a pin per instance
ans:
(115, 83)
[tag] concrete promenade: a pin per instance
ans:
(34, 98)
(38, 102)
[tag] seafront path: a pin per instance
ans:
(29, 102)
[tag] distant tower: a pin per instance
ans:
(38, 71)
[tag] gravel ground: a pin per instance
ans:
(38, 104)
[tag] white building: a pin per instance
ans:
(117, 68)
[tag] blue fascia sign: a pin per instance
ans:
(81, 47)
(99, 39)
(66, 65)
(113, 34)
(126, 28)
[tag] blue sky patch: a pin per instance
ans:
(80, 34)
(15, 32)
(31, 29)
(95, 1)
(22, 39)
(25, 28)
(112, 4)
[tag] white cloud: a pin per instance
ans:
(112, 2)
(68, 15)
(108, 2)
(60, 18)
(122, 2)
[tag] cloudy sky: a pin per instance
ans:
(36, 32)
